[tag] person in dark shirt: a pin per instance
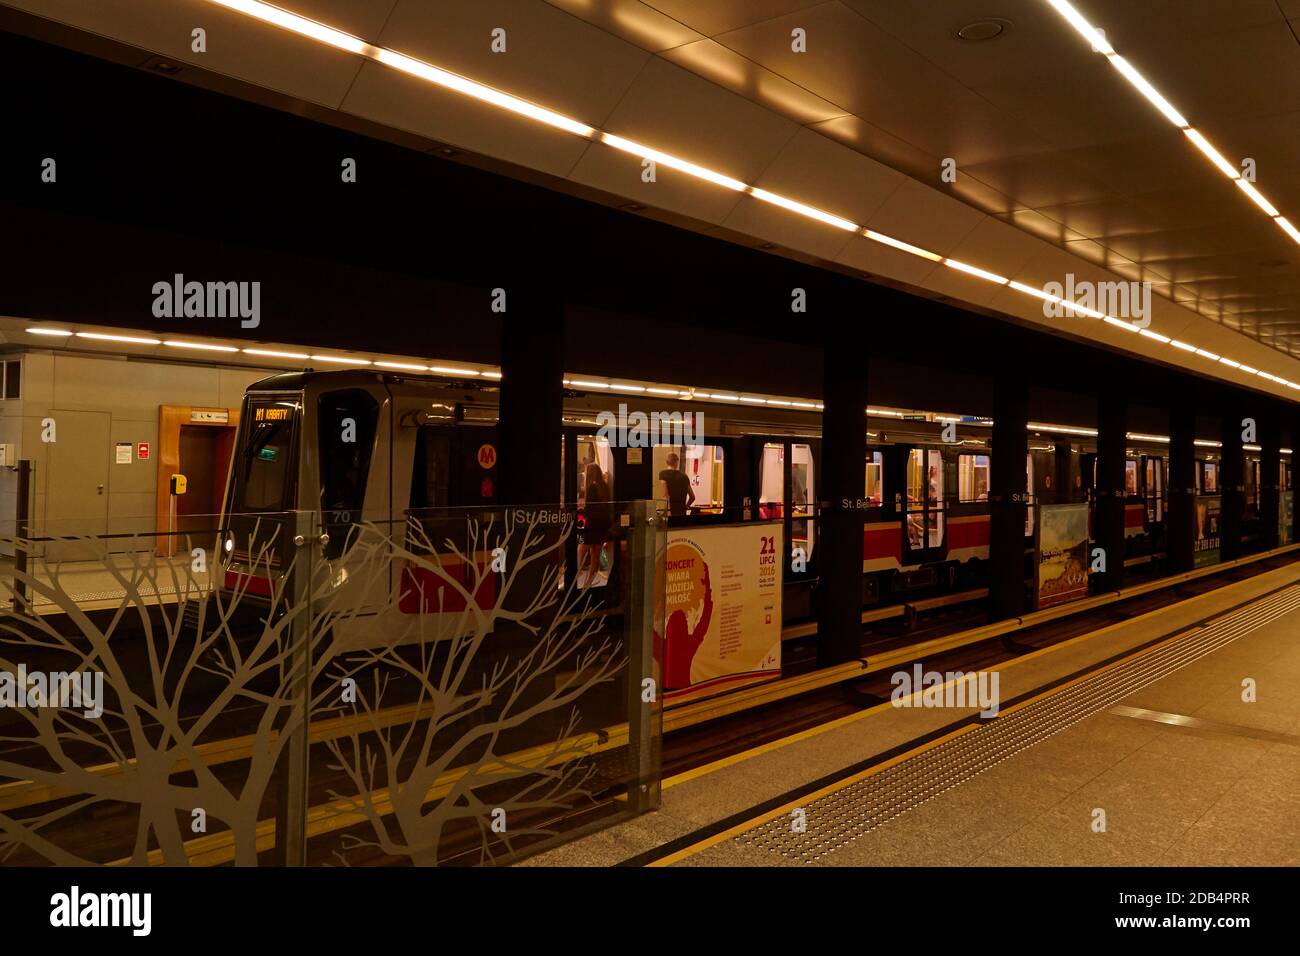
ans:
(676, 487)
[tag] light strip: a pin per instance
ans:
(403, 366)
(673, 162)
(979, 273)
(132, 339)
(452, 81)
(448, 370)
(1212, 154)
(1288, 228)
(203, 346)
(899, 244)
(341, 360)
(804, 210)
(1258, 198)
(347, 42)
(301, 25)
(269, 353)
(58, 332)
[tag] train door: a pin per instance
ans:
(786, 472)
(1153, 488)
(590, 483)
(923, 507)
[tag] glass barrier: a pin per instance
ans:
(447, 688)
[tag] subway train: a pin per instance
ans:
(420, 444)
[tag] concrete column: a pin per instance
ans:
(1232, 483)
(843, 488)
(1108, 518)
(532, 396)
(1007, 497)
(1181, 514)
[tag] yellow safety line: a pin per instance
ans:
(732, 759)
(760, 819)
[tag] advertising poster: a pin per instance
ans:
(722, 607)
(1207, 530)
(1285, 517)
(1062, 554)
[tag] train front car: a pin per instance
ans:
(310, 468)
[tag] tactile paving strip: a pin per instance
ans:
(840, 817)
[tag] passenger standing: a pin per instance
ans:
(676, 487)
(597, 520)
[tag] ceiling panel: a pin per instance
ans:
(632, 20)
(236, 45)
(853, 63)
(1248, 71)
(718, 16)
(731, 71)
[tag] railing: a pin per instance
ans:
(446, 688)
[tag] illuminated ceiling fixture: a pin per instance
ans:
(201, 346)
(269, 353)
(130, 339)
(1097, 38)
(341, 360)
(341, 40)
(58, 332)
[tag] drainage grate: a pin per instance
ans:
(841, 817)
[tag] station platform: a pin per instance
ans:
(105, 583)
(1148, 727)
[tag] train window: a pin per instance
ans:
(1284, 475)
(431, 469)
(972, 477)
(1209, 478)
(264, 473)
(703, 467)
(771, 481)
(875, 485)
(1130, 476)
(346, 424)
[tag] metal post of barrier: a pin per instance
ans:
(291, 811)
(643, 716)
(22, 520)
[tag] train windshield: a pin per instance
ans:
(265, 469)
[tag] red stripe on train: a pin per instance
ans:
(425, 592)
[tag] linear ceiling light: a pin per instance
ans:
(446, 79)
(58, 332)
(131, 339)
(201, 346)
